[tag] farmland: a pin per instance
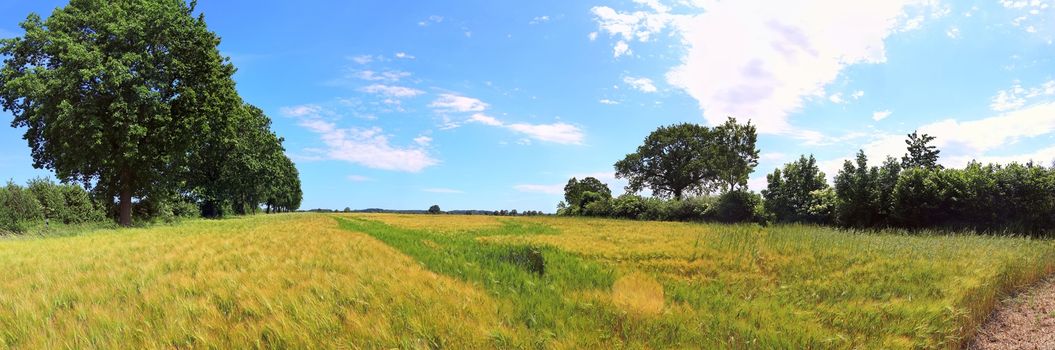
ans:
(419, 281)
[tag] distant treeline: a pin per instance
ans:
(434, 210)
(699, 174)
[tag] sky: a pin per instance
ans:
(496, 104)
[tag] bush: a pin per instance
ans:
(18, 208)
(49, 195)
(77, 206)
(628, 206)
(599, 207)
(691, 209)
(737, 206)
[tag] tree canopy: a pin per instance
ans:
(920, 153)
(134, 98)
(691, 159)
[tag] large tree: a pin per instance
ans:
(691, 159)
(115, 93)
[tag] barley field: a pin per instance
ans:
(444, 281)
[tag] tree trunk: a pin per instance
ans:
(677, 194)
(125, 217)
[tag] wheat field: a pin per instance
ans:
(444, 281)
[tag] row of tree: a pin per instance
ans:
(698, 173)
(916, 193)
(133, 99)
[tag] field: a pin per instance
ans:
(416, 281)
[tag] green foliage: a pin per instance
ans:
(920, 154)
(435, 209)
(134, 98)
(686, 159)
(577, 194)
(115, 92)
(18, 208)
(49, 195)
(599, 207)
(737, 206)
(78, 207)
(628, 206)
(856, 192)
(789, 193)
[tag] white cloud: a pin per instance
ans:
(608, 102)
(561, 133)
(358, 178)
(792, 54)
(539, 19)
(858, 94)
(456, 103)
(1017, 95)
(300, 111)
(621, 48)
(534, 188)
(368, 147)
(443, 190)
(363, 59)
(423, 140)
(880, 115)
(484, 119)
(641, 84)
(391, 90)
(953, 32)
(962, 141)
(404, 55)
(592, 36)
(434, 19)
(387, 76)
(837, 98)
(771, 156)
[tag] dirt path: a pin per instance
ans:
(1026, 321)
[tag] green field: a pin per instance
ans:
(416, 281)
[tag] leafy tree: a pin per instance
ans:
(18, 207)
(435, 209)
(115, 93)
(789, 194)
(49, 195)
(577, 194)
(687, 158)
(920, 154)
(855, 190)
(736, 154)
(885, 184)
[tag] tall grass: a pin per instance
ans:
(402, 281)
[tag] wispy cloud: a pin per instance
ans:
(606, 101)
(1017, 96)
(641, 84)
(434, 19)
(443, 190)
(369, 146)
(558, 132)
(448, 103)
(391, 90)
(535, 188)
(880, 115)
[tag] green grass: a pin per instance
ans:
(416, 281)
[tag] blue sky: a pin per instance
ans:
(495, 104)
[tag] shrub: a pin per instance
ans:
(691, 209)
(49, 195)
(18, 208)
(600, 207)
(737, 206)
(629, 206)
(77, 206)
